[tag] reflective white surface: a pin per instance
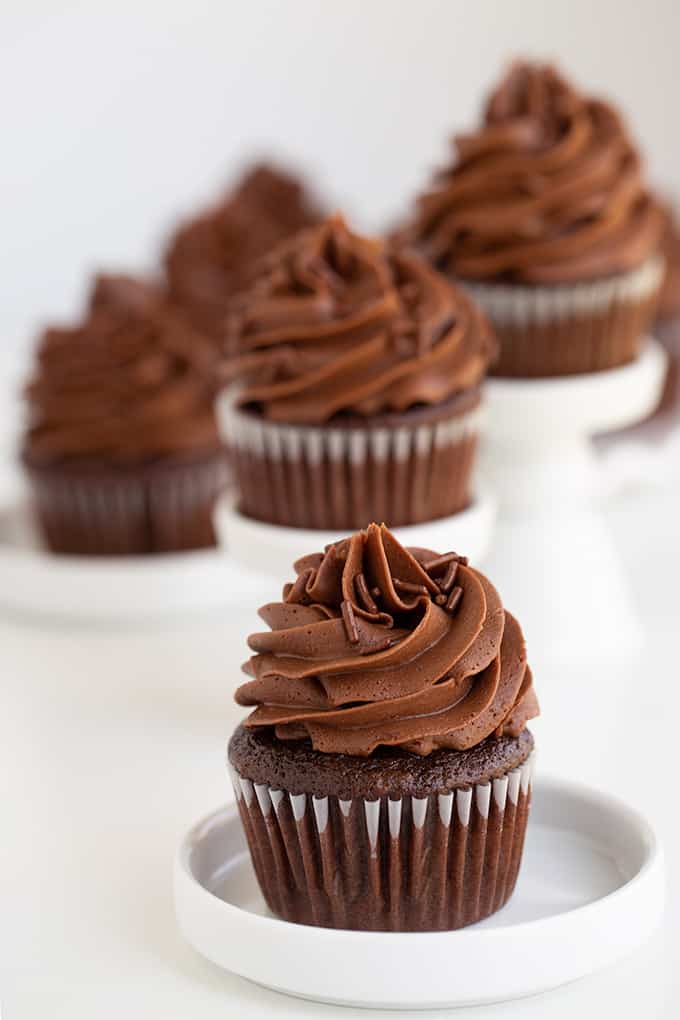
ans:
(113, 744)
(590, 890)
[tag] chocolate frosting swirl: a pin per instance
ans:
(375, 644)
(126, 385)
(339, 324)
(214, 256)
(548, 190)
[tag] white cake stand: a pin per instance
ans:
(552, 557)
(272, 549)
(115, 589)
(249, 570)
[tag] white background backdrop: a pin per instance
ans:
(116, 116)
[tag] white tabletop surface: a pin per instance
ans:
(112, 743)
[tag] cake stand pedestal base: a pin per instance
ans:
(272, 549)
(552, 557)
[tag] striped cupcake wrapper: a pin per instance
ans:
(157, 509)
(414, 864)
(344, 478)
(571, 328)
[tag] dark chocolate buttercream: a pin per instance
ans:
(215, 255)
(339, 324)
(121, 292)
(548, 190)
(378, 645)
(128, 384)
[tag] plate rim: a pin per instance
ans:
(562, 947)
(654, 859)
(38, 584)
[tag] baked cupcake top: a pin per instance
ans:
(378, 645)
(338, 324)
(128, 384)
(212, 257)
(548, 190)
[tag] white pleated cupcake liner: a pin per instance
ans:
(155, 511)
(519, 305)
(344, 477)
(415, 863)
(548, 330)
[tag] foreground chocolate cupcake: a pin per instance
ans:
(546, 217)
(359, 386)
(383, 778)
(122, 448)
(213, 256)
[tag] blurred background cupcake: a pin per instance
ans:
(668, 310)
(357, 392)
(121, 448)
(668, 315)
(666, 329)
(387, 755)
(214, 255)
(545, 216)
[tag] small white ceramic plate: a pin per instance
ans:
(272, 548)
(590, 890)
(116, 589)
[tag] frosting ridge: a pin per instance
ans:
(378, 645)
(215, 255)
(548, 190)
(126, 384)
(340, 324)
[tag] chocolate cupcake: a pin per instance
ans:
(668, 311)
(384, 776)
(122, 449)
(546, 218)
(213, 256)
(358, 396)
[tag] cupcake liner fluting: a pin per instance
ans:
(165, 507)
(336, 477)
(431, 863)
(571, 328)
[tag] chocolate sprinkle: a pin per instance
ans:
(409, 587)
(454, 599)
(442, 561)
(364, 594)
(349, 620)
(440, 599)
(446, 583)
